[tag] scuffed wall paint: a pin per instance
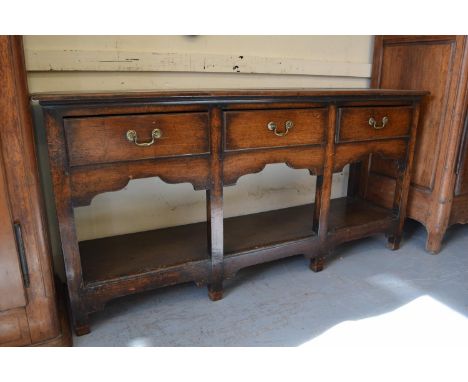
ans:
(124, 61)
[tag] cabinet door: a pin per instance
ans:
(420, 62)
(35, 319)
(11, 282)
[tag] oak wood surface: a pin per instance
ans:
(354, 123)
(14, 328)
(11, 280)
(348, 213)
(248, 162)
(440, 65)
(248, 129)
(427, 66)
(98, 140)
(87, 182)
(238, 144)
(351, 152)
(227, 95)
(458, 213)
(38, 318)
(136, 253)
(214, 206)
(111, 258)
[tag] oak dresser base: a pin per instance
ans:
(210, 139)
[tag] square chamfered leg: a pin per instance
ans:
(81, 323)
(393, 242)
(402, 186)
(214, 209)
(323, 194)
(317, 263)
(434, 239)
(215, 291)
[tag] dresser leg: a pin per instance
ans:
(434, 241)
(393, 242)
(316, 264)
(81, 324)
(215, 291)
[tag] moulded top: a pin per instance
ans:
(217, 95)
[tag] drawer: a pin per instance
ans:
(94, 140)
(249, 129)
(369, 123)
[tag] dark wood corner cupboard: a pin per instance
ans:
(98, 142)
(438, 195)
(28, 303)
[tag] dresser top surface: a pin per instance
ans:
(209, 95)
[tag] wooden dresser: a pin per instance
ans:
(99, 142)
(28, 302)
(438, 194)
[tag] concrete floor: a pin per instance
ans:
(366, 295)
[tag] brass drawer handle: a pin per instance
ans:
(287, 126)
(373, 123)
(132, 137)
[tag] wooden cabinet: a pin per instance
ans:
(99, 142)
(14, 329)
(438, 195)
(11, 278)
(28, 305)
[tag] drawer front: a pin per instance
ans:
(256, 128)
(369, 123)
(94, 140)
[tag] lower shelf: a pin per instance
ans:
(133, 254)
(136, 253)
(264, 229)
(355, 214)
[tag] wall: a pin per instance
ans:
(93, 63)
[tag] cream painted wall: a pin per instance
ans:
(84, 63)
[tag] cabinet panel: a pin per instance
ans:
(28, 312)
(11, 283)
(14, 329)
(422, 65)
(439, 64)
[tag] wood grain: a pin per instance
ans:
(237, 143)
(224, 96)
(440, 65)
(98, 140)
(249, 240)
(248, 162)
(14, 328)
(37, 318)
(248, 129)
(354, 123)
(214, 205)
(352, 152)
(87, 182)
(414, 65)
(11, 280)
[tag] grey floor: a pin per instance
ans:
(366, 293)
